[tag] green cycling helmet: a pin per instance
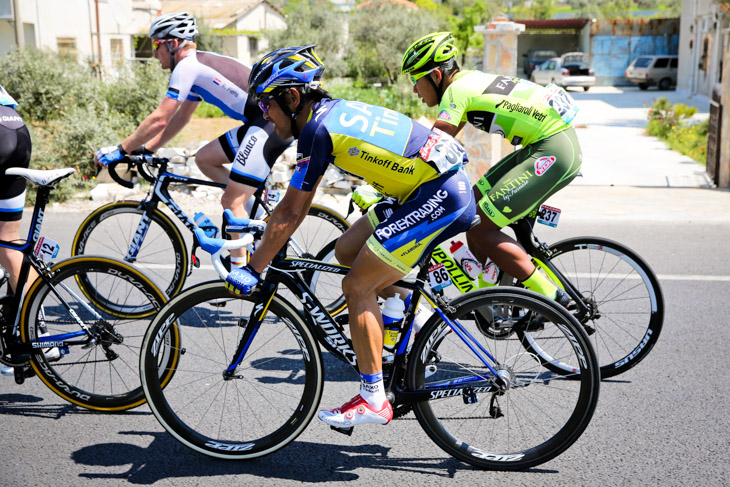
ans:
(429, 52)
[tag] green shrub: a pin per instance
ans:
(137, 90)
(45, 83)
(71, 113)
(398, 97)
(206, 110)
(671, 123)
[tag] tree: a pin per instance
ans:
(313, 22)
(380, 34)
(462, 26)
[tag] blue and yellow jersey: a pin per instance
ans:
(390, 151)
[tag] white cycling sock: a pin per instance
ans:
(373, 390)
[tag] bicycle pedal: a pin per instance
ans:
(344, 431)
(589, 329)
(22, 373)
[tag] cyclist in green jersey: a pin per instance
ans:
(534, 117)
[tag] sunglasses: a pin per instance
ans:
(415, 77)
(265, 103)
(158, 42)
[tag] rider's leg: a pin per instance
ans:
(210, 159)
(350, 243)
(12, 260)
(234, 198)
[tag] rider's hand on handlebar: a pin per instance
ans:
(366, 196)
(242, 280)
(107, 155)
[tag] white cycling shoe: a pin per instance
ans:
(356, 411)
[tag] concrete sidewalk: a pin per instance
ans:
(627, 174)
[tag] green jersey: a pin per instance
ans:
(521, 111)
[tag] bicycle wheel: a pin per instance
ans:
(537, 416)
(623, 294)
(265, 406)
(321, 226)
(327, 286)
(111, 230)
(102, 374)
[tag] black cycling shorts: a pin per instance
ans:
(15, 148)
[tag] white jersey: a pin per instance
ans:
(219, 80)
(6, 99)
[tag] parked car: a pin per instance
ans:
(570, 69)
(648, 71)
(535, 57)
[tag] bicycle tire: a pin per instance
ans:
(321, 226)
(103, 376)
(269, 402)
(624, 294)
(327, 286)
(538, 417)
(110, 230)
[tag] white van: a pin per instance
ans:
(648, 71)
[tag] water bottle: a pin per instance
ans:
(393, 313)
(465, 259)
(206, 225)
(490, 275)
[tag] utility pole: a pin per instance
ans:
(19, 37)
(98, 31)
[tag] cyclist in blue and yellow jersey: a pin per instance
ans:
(197, 76)
(421, 169)
(529, 115)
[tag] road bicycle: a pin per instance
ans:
(80, 325)
(615, 294)
(140, 233)
(251, 374)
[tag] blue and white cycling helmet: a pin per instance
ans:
(288, 66)
(180, 25)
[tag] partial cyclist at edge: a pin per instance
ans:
(421, 169)
(15, 151)
(537, 118)
(219, 80)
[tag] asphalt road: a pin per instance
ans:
(664, 422)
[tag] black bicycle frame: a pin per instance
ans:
(525, 235)
(330, 333)
(160, 193)
(22, 352)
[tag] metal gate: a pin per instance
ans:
(713, 136)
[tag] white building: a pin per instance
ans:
(70, 26)
(704, 34)
(242, 21)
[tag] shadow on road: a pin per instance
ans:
(165, 458)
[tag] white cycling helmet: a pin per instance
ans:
(180, 25)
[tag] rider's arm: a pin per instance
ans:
(176, 123)
(448, 128)
(284, 220)
(152, 125)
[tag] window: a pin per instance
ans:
(117, 48)
(704, 60)
(253, 45)
(661, 62)
(674, 63)
(67, 46)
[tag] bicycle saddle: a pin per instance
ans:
(41, 177)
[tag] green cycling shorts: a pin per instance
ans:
(526, 178)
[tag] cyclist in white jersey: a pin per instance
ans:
(219, 80)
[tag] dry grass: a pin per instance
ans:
(202, 129)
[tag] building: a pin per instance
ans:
(242, 23)
(704, 37)
(106, 32)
